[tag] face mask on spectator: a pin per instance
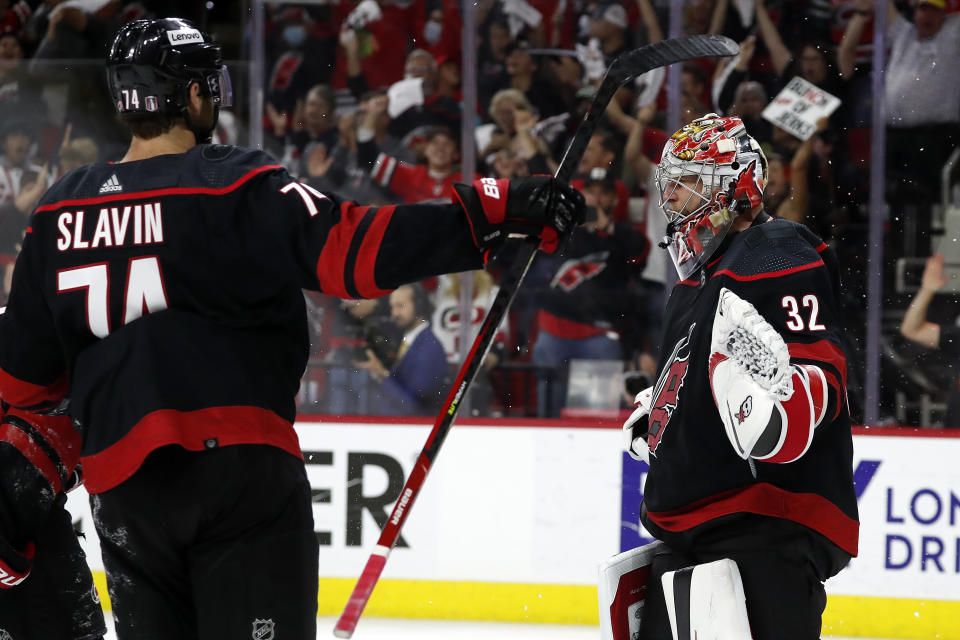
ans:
(295, 35)
(432, 31)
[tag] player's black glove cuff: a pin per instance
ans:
(540, 207)
(15, 565)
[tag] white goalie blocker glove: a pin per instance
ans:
(769, 407)
(636, 426)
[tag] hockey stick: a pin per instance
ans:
(622, 69)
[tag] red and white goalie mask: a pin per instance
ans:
(709, 172)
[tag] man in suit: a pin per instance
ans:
(415, 383)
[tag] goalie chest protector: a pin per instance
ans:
(696, 480)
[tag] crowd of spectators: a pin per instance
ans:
(397, 133)
(55, 111)
(364, 98)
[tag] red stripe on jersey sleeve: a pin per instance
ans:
(332, 263)
(366, 261)
(809, 509)
(32, 452)
(192, 430)
(20, 393)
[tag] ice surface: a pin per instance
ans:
(389, 629)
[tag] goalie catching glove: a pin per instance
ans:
(769, 407)
(540, 206)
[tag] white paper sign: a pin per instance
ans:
(403, 95)
(523, 10)
(745, 8)
(798, 107)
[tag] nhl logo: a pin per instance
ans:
(262, 629)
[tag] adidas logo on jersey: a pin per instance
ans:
(111, 186)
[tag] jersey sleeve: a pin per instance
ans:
(349, 250)
(32, 367)
(800, 303)
(395, 175)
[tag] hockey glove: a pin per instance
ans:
(541, 207)
(769, 407)
(49, 442)
(636, 427)
(14, 565)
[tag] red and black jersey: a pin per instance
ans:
(697, 482)
(587, 293)
(164, 295)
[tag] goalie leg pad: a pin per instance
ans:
(706, 602)
(624, 582)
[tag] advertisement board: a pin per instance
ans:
(515, 518)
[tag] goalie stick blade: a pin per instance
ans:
(623, 68)
(667, 52)
(630, 65)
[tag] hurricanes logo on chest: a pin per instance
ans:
(668, 387)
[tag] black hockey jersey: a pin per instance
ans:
(696, 481)
(587, 292)
(164, 295)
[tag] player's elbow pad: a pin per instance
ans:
(761, 425)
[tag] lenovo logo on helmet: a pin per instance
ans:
(184, 36)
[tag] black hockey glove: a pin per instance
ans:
(15, 565)
(540, 206)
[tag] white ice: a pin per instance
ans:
(394, 629)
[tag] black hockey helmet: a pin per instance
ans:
(152, 64)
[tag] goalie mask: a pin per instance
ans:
(709, 172)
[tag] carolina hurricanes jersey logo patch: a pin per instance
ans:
(668, 389)
(745, 408)
(574, 272)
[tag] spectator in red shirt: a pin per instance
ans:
(432, 181)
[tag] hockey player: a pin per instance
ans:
(746, 431)
(46, 590)
(163, 292)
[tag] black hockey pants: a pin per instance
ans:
(211, 544)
